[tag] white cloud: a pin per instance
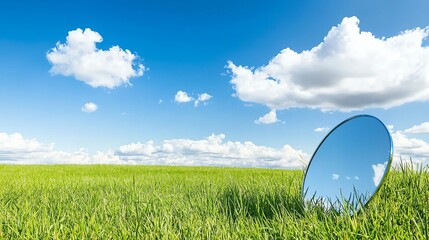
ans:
(79, 57)
(390, 128)
(406, 147)
(268, 118)
(145, 149)
(202, 98)
(321, 129)
(14, 148)
(89, 107)
(378, 172)
(212, 151)
(15, 142)
(422, 128)
(335, 176)
(182, 97)
(349, 70)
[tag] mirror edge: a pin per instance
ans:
(386, 171)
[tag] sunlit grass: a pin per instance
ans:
(120, 202)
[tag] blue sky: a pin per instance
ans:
(187, 46)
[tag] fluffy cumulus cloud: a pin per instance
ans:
(141, 149)
(79, 57)
(349, 70)
(89, 107)
(422, 128)
(407, 147)
(182, 97)
(202, 98)
(14, 148)
(268, 118)
(212, 151)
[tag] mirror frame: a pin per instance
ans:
(386, 171)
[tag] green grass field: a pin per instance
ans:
(123, 202)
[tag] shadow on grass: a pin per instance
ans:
(237, 202)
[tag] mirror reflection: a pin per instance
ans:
(349, 165)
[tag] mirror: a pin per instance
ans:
(349, 165)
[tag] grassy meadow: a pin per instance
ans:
(153, 202)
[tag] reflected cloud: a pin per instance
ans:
(378, 172)
(335, 176)
(356, 178)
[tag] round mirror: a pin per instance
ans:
(349, 165)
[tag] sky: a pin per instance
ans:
(225, 83)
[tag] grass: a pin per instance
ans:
(142, 202)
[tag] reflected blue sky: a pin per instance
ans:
(352, 158)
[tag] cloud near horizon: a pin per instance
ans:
(15, 149)
(80, 58)
(212, 151)
(350, 70)
(407, 147)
